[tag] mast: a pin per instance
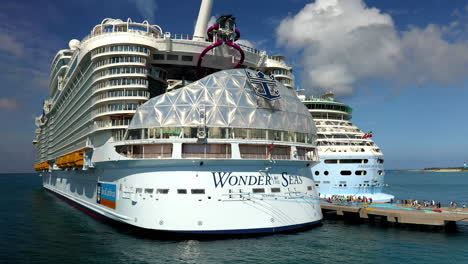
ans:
(203, 18)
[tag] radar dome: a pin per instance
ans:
(74, 44)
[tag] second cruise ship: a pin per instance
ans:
(350, 162)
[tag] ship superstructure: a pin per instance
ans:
(350, 161)
(148, 128)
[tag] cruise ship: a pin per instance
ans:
(350, 162)
(175, 133)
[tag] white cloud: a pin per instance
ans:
(147, 8)
(343, 42)
(211, 22)
(8, 104)
(428, 57)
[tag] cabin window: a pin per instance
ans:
(198, 191)
(206, 151)
(158, 56)
(172, 57)
(345, 172)
(305, 153)
(351, 161)
(149, 190)
(275, 190)
(249, 151)
(187, 58)
(258, 190)
(332, 161)
(162, 191)
(157, 151)
(182, 191)
(360, 172)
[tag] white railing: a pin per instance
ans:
(249, 49)
(149, 156)
(265, 156)
(206, 155)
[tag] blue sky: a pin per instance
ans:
(416, 107)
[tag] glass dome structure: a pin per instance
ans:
(237, 98)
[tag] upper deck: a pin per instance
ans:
(326, 107)
(97, 83)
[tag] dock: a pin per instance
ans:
(396, 213)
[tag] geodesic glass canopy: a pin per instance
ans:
(236, 98)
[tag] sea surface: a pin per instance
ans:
(37, 227)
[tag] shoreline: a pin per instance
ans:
(437, 170)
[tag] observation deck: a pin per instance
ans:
(326, 107)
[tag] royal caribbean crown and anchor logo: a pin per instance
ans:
(264, 86)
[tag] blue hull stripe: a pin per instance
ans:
(254, 230)
(267, 230)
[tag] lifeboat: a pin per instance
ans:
(42, 166)
(71, 160)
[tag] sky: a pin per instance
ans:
(401, 65)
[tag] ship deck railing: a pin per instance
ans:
(162, 36)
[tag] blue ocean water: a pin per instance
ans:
(37, 227)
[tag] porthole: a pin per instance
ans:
(317, 173)
(326, 173)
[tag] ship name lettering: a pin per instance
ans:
(290, 179)
(222, 178)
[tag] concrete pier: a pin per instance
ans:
(398, 214)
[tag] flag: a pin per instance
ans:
(270, 148)
(367, 135)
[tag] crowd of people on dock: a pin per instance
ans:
(349, 199)
(427, 203)
(419, 204)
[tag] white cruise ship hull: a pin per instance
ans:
(194, 196)
(369, 184)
